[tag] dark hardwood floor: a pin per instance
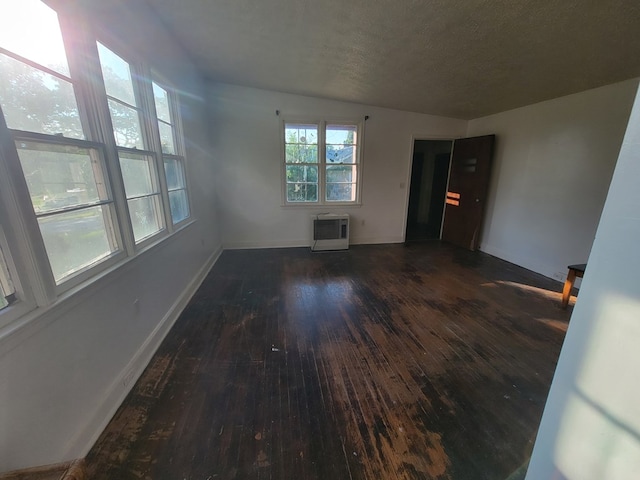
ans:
(380, 362)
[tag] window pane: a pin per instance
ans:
(301, 134)
(302, 173)
(174, 173)
(341, 143)
(179, 205)
(301, 143)
(126, 125)
(341, 134)
(302, 192)
(35, 101)
(30, 28)
(117, 76)
(341, 173)
(76, 240)
(162, 103)
(144, 218)
(341, 192)
(341, 154)
(137, 174)
(60, 176)
(301, 153)
(166, 138)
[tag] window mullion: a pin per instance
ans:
(176, 124)
(153, 136)
(84, 64)
(105, 131)
(180, 147)
(35, 65)
(322, 151)
(153, 131)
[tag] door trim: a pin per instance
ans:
(407, 181)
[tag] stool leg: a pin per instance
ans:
(568, 285)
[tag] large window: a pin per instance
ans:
(166, 108)
(92, 161)
(64, 173)
(322, 163)
(70, 198)
(137, 160)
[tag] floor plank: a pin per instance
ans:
(380, 362)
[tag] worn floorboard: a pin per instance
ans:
(380, 362)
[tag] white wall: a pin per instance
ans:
(246, 138)
(590, 428)
(61, 373)
(552, 168)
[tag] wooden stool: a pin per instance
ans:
(574, 271)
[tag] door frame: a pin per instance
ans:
(407, 182)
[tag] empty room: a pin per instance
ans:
(309, 240)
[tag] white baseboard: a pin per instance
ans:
(375, 240)
(275, 244)
(117, 392)
(530, 264)
(305, 243)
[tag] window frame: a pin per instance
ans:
(23, 301)
(141, 82)
(179, 155)
(112, 228)
(322, 161)
(40, 274)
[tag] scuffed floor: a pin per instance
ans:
(381, 362)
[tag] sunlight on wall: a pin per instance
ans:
(599, 436)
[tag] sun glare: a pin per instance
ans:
(31, 30)
(599, 435)
(529, 288)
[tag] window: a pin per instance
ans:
(36, 90)
(64, 173)
(173, 162)
(92, 162)
(321, 163)
(301, 158)
(70, 198)
(138, 163)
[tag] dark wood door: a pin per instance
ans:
(467, 190)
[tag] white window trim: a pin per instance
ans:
(44, 268)
(322, 125)
(24, 301)
(180, 147)
(142, 90)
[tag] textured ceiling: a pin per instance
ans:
(457, 58)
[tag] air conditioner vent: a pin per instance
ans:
(330, 232)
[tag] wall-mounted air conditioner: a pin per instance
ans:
(330, 232)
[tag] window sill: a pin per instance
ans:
(322, 205)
